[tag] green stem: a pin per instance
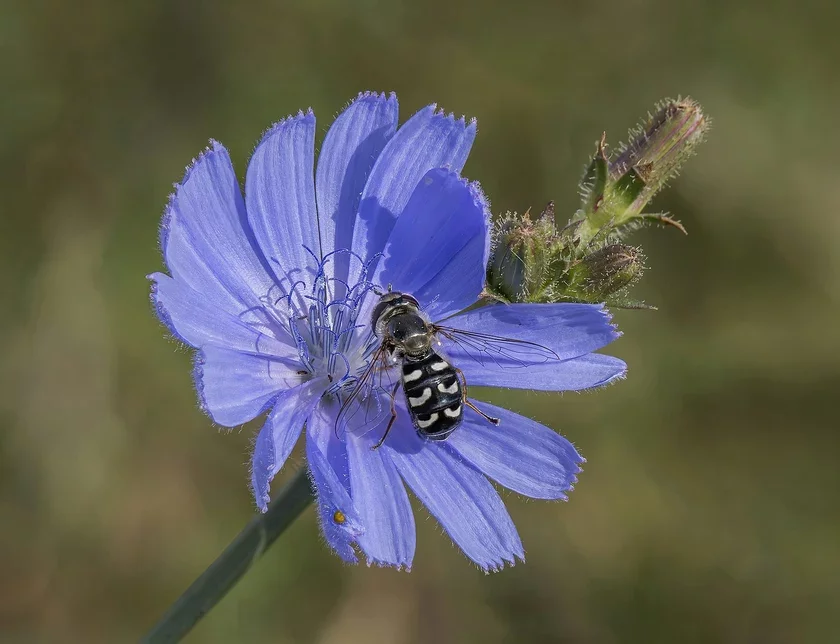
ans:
(215, 582)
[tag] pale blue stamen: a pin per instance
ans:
(326, 330)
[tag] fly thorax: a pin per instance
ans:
(410, 334)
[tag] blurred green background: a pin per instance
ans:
(708, 511)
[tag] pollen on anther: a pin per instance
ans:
(339, 518)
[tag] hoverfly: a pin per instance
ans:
(435, 389)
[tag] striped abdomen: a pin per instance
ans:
(433, 394)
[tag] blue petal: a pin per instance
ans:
(438, 248)
(464, 502)
(520, 454)
(280, 195)
(235, 387)
(206, 241)
(327, 457)
(587, 371)
(351, 147)
(280, 433)
(381, 499)
(427, 140)
(197, 320)
(565, 333)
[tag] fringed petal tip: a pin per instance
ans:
(612, 379)
(350, 553)
(500, 565)
(347, 555)
(261, 495)
(608, 316)
(293, 121)
(601, 307)
(466, 129)
(261, 503)
(573, 479)
(436, 115)
(577, 462)
(262, 465)
(349, 550)
(467, 125)
(213, 147)
(339, 541)
(618, 372)
(390, 97)
(403, 566)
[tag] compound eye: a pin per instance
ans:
(378, 310)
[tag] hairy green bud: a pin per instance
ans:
(521, 255)
(615, 192)
(658, 148)
(607, 270)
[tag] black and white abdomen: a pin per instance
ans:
(433, 394)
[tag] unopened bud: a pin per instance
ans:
(616, 192)
(607, 270)
(522, 248)
(657, 150)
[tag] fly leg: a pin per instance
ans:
(393, 416)
(489, 419)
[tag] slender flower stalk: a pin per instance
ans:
(230, 566)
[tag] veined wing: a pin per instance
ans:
(486, 349)
(367, 404)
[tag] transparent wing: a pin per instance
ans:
(368, 402)
(493, 349)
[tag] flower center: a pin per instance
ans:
(323, 319)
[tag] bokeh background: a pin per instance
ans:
(708, 511)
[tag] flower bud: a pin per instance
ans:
(657, 150)
(522, 249)
(607, 270)
(615, 192)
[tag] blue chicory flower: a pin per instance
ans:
(275, 291)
